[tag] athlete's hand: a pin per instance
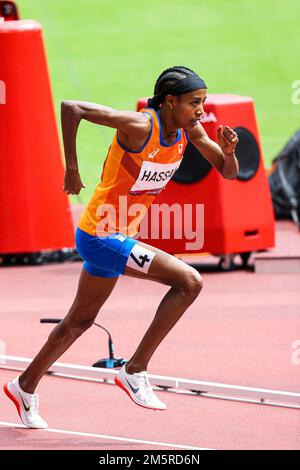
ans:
(72, 182)
(227, 139)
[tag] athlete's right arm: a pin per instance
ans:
(130, 122)
(134, 124)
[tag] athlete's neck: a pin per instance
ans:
(169, 128)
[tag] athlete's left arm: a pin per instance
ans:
(222, 154)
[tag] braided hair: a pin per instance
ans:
(165, 81)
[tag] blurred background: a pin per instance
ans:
(112, 53)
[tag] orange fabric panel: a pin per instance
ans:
(129, 178)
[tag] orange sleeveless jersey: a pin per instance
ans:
(130, 181)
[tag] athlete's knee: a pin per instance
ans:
(71, 327)
(76, 323)
(80, 325)
(192, 283)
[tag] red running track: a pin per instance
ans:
(240, 330)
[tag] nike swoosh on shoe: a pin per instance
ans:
(27, 408)
(135, 390)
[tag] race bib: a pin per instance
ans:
(140, 258)
(153, 177)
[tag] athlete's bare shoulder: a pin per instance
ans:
(135, 138)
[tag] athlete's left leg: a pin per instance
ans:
(186, 283)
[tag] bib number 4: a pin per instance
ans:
(140, 258)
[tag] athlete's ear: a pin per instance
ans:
(169, 101)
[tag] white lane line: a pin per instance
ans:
(2, 350)
(104, 436)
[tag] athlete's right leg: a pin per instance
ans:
(186, 284)
(148, 262)
(92, 293)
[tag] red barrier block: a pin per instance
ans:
(35, 213)
(238, 214)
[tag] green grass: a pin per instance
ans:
(111, 52)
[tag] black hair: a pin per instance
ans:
(167, 79)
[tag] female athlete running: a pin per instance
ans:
(146, 150)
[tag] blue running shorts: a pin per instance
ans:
(104, 256)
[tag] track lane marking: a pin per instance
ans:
(104, 436)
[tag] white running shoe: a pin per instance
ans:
(138, 388)
(27, 405)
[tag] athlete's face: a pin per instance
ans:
(188, 108)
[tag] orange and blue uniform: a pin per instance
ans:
(129, 183)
